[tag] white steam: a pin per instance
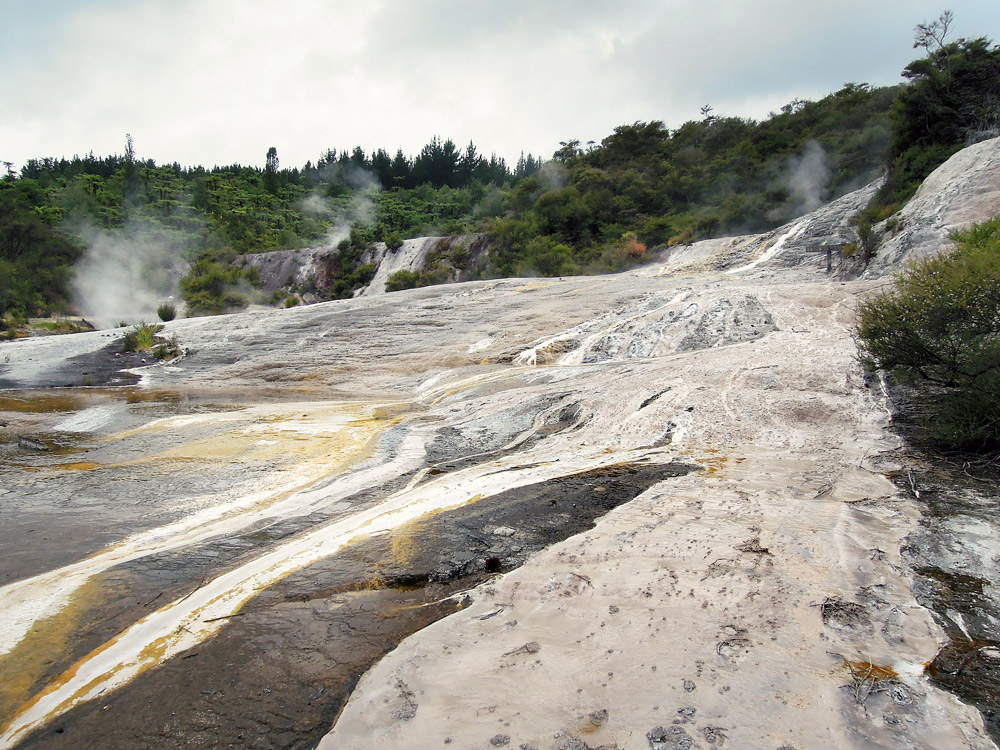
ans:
(553, 175)
(808, 176)
(359, 209)
(126, 275)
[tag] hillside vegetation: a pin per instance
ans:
(592, 207)
(598, 207)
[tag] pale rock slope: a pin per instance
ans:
(411, 256)
(761, 602)
(961, 191)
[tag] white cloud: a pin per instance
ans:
(219, 81)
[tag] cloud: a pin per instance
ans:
(219, 81)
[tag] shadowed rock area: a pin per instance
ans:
(279, 673)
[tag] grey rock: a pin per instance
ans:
(669, 738)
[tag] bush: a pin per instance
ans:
(938, 332)
(140, 338)
(212, 286)
(166, 312)
(393, 241)
(401, 280)
(951, 101)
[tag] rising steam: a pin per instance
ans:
(359, 209)
(808, 176)
(125, 276)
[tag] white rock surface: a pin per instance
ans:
(411, 256)
(962, 191)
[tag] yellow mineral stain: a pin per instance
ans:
(403, 542)
(79, 466)
(392, 411)
(153, 653)
(530, 287)
(867, 670)
(316, 436)
(81, 693)
(580, 290)
(40, 652)
(75, 399)
(33, 404)
(713, 465)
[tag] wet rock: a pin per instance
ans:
(727, 323)
(607, 347)
(714, 736)
(669, 738)
(31, 444)
(687, 714)
(842, 614)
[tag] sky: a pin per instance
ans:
(216, 82)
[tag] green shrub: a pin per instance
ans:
(459, 256)
(363, 274)
(141, 337)
(212, 286)
(439, 273)
(167, 349)
(166, 312)
(393, 241)
(401, 280)
(938, 331)
(950, 102)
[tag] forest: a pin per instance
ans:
(590, 208)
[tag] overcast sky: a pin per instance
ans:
(219, 81)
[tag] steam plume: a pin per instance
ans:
(125, 275)
(808, 177)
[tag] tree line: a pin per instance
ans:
(592, 207)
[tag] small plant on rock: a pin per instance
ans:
(142, 339)
(167, 311)
(393, 241)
